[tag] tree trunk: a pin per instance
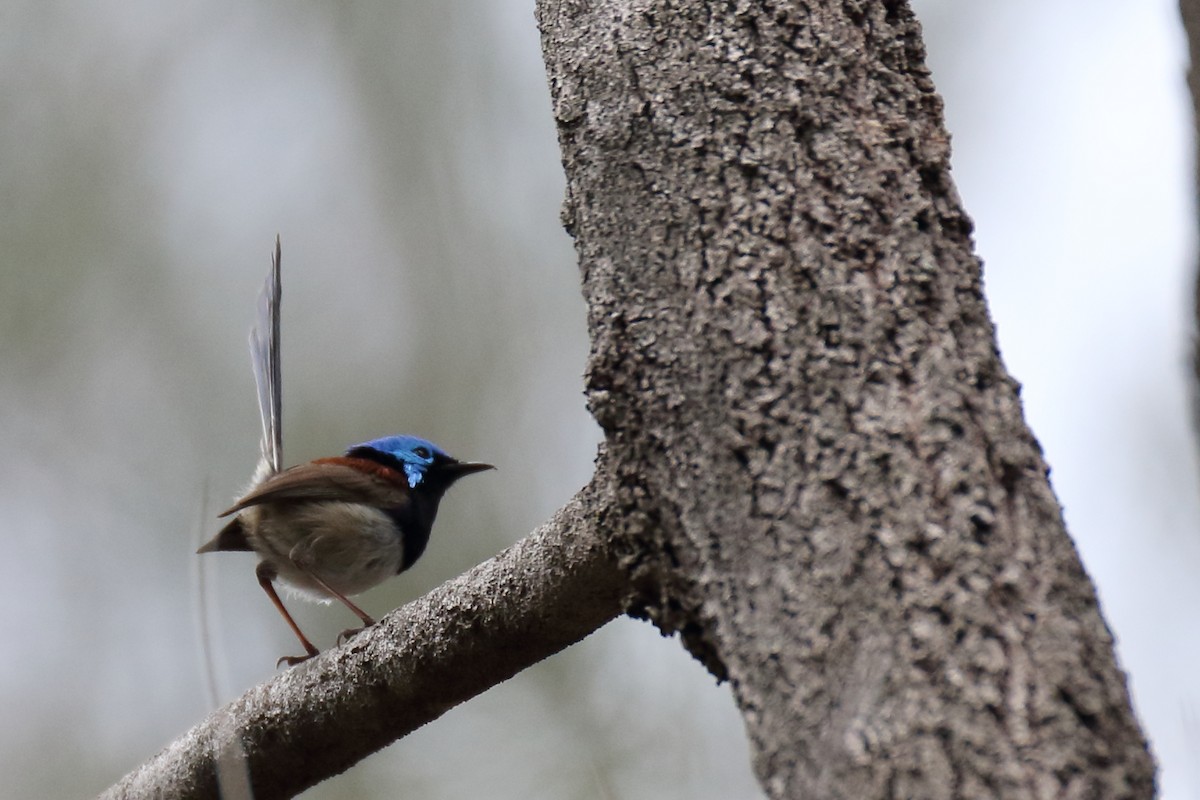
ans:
(826, 483)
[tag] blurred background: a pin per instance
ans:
(405, 152)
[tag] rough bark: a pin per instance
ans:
(546, 592)
(824, 479)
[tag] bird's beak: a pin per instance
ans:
(458, 469)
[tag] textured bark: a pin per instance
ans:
(316, 720)
(824, 479)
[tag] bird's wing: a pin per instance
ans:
(330, 480)
(264, 356)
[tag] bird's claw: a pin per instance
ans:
(292, 661)
(348, 634)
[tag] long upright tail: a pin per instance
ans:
(264, 355)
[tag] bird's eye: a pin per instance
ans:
(421, 452)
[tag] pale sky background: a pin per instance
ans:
(405, 151)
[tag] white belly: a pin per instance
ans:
(349, 546)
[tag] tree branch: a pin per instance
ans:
(541, 595)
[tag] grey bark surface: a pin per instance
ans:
(823, 474)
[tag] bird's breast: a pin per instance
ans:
(413, 522)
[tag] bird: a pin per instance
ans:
(332, 527)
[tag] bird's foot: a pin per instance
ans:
(292, 661)
(348, 634)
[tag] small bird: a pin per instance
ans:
(333, 527)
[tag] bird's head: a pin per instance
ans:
(424, 463)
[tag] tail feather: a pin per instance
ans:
(264, 356)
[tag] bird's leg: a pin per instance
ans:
(366, 618)
(266, 576)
